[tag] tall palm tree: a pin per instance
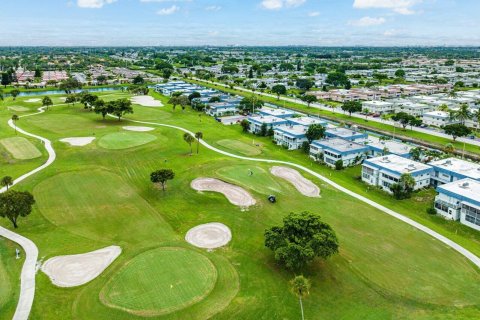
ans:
(463, 113)
(300, 287)
(443, 107)
(198, 135)
(189, 139)
(6, 181)
(476, 117)
(15, 119)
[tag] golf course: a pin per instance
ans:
(99, 194)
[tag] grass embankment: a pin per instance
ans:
(420, 137)
(92, 197)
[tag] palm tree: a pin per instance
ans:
(463, 114)
(198, 135)
(449, 148)
(15, 119)
(476, 117)
(300, 287)
(6, 181)
(443, 107)
(189, 139)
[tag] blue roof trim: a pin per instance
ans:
(457, 196)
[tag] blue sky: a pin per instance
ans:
(240, 22)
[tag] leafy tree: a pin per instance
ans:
(339, 165)
(6, 79)
(14, 93)
(449, 148)
(214, 99)
(457, 130)
(301, 288)
(351, 107)
(245, 125)
(198, 136)
(404, 188)
(194, 95)
(103, 108)
(400, 73)
(38, 73)
(175, 101)
(309, 99)
(70, 85)
(416, 153)
(162, 176)
(167, 73)
(449, 62)
(337, 79)
(189, 139)
(122, 107)
(315, 132)
(15, 118)
(250, 73)
(403, 118)
(47, 102)
(263, 130)
(250, 103)
(229, 69)
(138, 80)
(88, 99)
(6, 181)
(15, 204)
(71, 98)
(1, 95)
(306, 147)
(101, 79)
(183, 101)
(302, 238)
(279, 89)
(304, 84)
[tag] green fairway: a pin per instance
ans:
(240, 147)
(125, 140)
(262, 181)
(161, 281)
(20, 148)
(9, 274)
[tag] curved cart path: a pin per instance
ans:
(27, 277)
(452, 244)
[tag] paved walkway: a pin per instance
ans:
(27, 277)
(469, 255)
(475, 142)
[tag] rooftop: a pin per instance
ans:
(467, 188)
(266, 119)
(340, 145)
(295, 130)
(393, 146)
(466, 168)
(398, 164)
(306, 121)
(343, 132)
(275, 112)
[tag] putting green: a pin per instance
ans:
(18, 108)
(124, 140)
(261, 180)
(240, 147)
(160, 281)
(20, 148)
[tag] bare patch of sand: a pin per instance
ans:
(209, 236)
(32, 100)
(303, 185)
(78, 141)
(235, 194)
(146, 101)
(138, 129)
(76, 270)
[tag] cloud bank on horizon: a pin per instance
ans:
(246, 22)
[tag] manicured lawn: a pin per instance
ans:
(124, 140)
(10, 269)
(240, 147)
(161, 281)
(92, 197)
(20, 148)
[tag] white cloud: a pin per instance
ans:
(93, 4)
(367, 22)
(314, 14)
(168, 11)
(213, 33)
(279, 4)
(213, 8)
(398, 6)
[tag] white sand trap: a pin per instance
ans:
(63, 99)
(79, 141)
(78, 269)
(146, 101)
(32, 100)
(209, 236)
(138, 129)
(303, 185)
(235, 194)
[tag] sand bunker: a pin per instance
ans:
(138, 129)
(79, 141)
(303, 185)
(235, 194)
(146, 101)
(78, 269)
(209, 236)
(32, 100)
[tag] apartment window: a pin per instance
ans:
(441, 207)
(472, 215)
